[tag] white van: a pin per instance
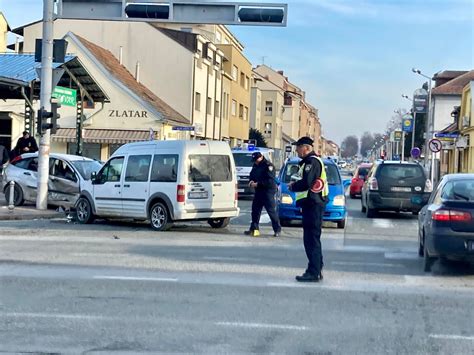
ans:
(164, 181)
(244, 164)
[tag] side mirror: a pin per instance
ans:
(93, 176)
(277, 181)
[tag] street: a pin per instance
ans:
(118, 286)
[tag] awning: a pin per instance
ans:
(105, 136)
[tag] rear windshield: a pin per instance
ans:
(363, 171)
(243, 160)
(459, 190)
(401, 172)
(209, 168)
(332, 173)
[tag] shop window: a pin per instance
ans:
(89, 150)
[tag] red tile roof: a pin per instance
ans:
(108, 60)
(454, 86)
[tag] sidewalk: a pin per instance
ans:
(25, 212)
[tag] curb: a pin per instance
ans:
(22, 216)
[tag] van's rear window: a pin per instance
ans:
(209, 168)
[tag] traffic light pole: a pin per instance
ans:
(45, 99)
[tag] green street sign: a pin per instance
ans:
(66, 96)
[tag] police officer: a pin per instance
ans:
(262, 179)
(311, 195)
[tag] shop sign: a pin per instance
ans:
(128, 114)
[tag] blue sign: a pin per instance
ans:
(396, 157)
(407, 124)
(416, 153)
(446, 135)
(183, 128)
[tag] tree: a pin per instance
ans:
(350, 146)
(366, 143)
(258, 137)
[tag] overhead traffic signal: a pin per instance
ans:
(42, 123)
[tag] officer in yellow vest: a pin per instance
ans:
(311, 196)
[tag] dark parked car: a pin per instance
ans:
(395, 186)
(358, 179)
(446, 223)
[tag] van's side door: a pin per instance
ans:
(136, 185)
(108, 188)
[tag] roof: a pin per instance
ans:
(448, 74)
(113, 66)
(454, 86)
(109, 136)
(69, 157)
(20, 30)
(8, 26)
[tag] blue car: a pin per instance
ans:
(336, 207)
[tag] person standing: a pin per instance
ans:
(311, 196)
(262, 179)
(3, 157)
(26, 144)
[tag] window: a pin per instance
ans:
(218, 37)
(235, 72)
(246, 85)
(61, 169)
(400, 171)
(288, 100)
(234, 108)
(87, 167)
(209, 168)
(246, 113)
(197, 102)
(332, 174)
(209, 106)
(242, 79)
(241, 111)
(111, 171)
(226, 41)
(138, 167)
(268, 108)
(242, 159)
(165, 168)
(461, 190)
(217, 109)
(268, 128)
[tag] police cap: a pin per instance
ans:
(256, 155)
(303, 141)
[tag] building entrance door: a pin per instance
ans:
(6, 130)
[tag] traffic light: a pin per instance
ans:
(153, 11)
(259, 14)
(43, 115)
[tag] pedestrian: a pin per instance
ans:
(3, 157)
(311, 196)
(262, 179)
(26, 144)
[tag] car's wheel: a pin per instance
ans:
(415, 213)
(18, 198)
(159, 217)
(219, 222)
(341, 224)
(370, 212)
(285, 222)
(362, 207)
(428, 260)
(353, 196)
(84, 211)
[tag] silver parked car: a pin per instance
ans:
(67, 173)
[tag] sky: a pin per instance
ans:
(353, 58)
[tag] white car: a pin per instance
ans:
(164, 182)
(67, 175)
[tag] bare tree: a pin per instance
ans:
(350, 146)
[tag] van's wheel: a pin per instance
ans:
(341, 224)
(428, 260)
(219, 222)
(84, 211)
(160, 218)
(18, 199)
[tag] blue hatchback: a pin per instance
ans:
(336, 207)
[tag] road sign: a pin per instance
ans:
(397, 136)
(288, 149)
(66, 96)
(420, 100)
(435, 145)
(407, 124)
(182, 128)
(416, 153)
(446, 135)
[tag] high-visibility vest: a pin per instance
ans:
(325, 189)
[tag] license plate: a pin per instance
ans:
(198, 195)
(401, 189)
(240, 190)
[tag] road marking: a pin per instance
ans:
(357, 263)
(131, 278)
(451, 337)
(224, 258)
(402, 255)
(52, 315)
(262, 325)
(382, 223)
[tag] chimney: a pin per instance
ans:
(137, 72)
(121, 55)
(281, 72)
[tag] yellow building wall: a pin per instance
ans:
(3, 33)
(467, 155)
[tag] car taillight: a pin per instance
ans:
(354, 180)
(451, 216)
(181, 193)
(373, 184)
(428, 186)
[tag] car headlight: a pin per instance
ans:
(286, 199)
(339, 200)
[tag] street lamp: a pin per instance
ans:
(429, 124)
(414, 120)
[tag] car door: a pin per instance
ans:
(25, 173)
(136, 185)
(108, 188)
(63, 183)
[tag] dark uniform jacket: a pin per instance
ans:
(264, 175)
(312, 171)
(3, 155)
(22, 143)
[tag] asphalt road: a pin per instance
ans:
(120, 287)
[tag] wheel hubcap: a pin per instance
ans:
(158, 217)
(82, 212)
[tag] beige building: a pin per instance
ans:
(266, 113)
(4, 28)
(184, 69)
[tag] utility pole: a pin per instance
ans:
(45, 103)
